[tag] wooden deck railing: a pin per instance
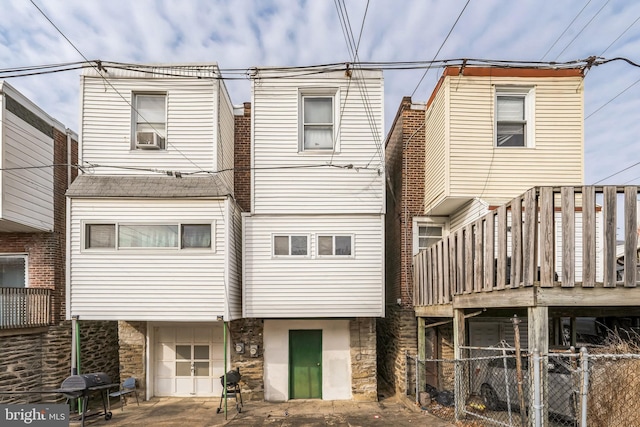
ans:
(548, 237)
(24, 307)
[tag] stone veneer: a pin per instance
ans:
(396, 337)
(132, 339)
(40, 359)
(364, 377)
(249, 332)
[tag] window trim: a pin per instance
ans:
(118, 248)
(134, 119)
(426, 221)
(528, 94)
(23, 255)
(334, 255)
(319, 92)
(290, 235)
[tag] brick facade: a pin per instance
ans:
(40, 358)
(242, 159)
(405, 160)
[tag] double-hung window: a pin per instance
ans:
(335, 245)
(149, 121)
(13, 271)
(514, 117)
(135, 236)
(426, 232)
(290, 245)
(317, 121)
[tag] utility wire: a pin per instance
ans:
(622, 34)
(612, 99)
(565, 30)
(582, 29)
(441, 46)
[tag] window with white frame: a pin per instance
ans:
(337, 245)
(514, 117)
(135, 236)
(13, 271)
(290, 245)
(149, 121)
(317, 121)
(426, 232)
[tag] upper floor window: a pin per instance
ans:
(284, 245)
(335, 245)
(514, 117)
(133, 236)
(149, 121)
(317, 128)
(13, 271)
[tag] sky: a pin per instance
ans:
(247, 33)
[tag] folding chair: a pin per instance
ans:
(127, 387)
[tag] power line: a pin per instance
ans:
(612, 99)
(622, 34)
(441, 46)
(566, 29)
(582, 29)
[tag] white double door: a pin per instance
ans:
(188, 360)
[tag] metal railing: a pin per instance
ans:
(24, 307)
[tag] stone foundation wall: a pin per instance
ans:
(364, 377)
(41, 359)
(397, 335)
(132, 339)
(248, 332)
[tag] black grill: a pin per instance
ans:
(84, 382)
(81, 386)
(233, 378)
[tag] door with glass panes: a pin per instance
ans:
(189, 361)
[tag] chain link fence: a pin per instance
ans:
(493, 387)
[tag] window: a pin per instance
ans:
(134, 236)
(290, 245)
(514, 118)
(150, 121)
(317, 122)
(100, 236)
(427, 231)
(13, 271)
(334, 245)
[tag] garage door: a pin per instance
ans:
(188, 360)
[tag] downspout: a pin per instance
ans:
(224, 349)
(69, 157)
(74, 362)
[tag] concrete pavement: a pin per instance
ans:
(201, 412)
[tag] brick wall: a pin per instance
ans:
(404, 153)
(242, 159)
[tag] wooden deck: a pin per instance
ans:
(523, 254)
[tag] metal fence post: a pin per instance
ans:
(584, 365)
(537, 388)
(417, 386)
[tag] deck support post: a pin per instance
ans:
(459, 335)
(538, 329)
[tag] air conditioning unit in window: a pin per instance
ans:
(149, 141)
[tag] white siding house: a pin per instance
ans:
(153, 225)
(26, 145)
(314, 239)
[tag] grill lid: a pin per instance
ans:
(85, 381)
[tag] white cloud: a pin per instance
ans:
(241, 34)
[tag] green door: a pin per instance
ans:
(305, 364)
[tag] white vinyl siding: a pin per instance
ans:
(474, 167)
(193, 136)
(436, 148)
(286, 180)
(225, 137)
(27, 194)
(314, 286)
(150, 284)
(234, 261)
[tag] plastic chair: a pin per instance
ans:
(127, 387)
